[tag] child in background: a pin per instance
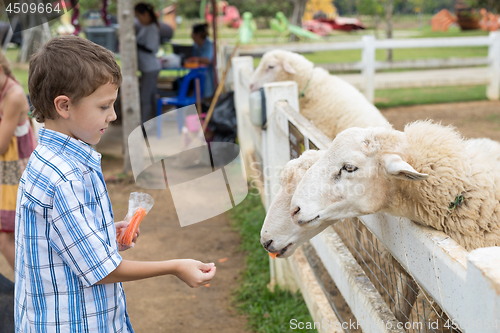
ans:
(16, 145)
(203, 52)
(68, 269)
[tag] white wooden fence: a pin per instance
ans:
(465, 285)
(368, 65)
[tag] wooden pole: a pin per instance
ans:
(215, 12)
(131, 107)
(198, 95)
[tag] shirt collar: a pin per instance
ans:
(78, 149)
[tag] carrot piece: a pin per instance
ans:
(126, 236)
(273, 255)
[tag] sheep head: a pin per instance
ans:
(279, 65)
(355, 177)
(279, 234)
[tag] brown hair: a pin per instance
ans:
(71, 66)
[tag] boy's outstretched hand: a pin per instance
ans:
(194, 273)
(122, 225)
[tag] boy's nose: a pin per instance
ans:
(113, 116)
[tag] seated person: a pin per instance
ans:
(203, 52)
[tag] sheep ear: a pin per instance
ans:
(395, 166)
(288, 68)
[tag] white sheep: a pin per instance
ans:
(280, 235)
(329, 102)
(428, 174)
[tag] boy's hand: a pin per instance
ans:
(195, 273)
(120, 227)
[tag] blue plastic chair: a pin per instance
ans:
(182, 99)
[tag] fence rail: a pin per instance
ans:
(465, 285)
(368, 65)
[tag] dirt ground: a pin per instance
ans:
(472, 119)
(166, 304)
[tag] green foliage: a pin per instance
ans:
(492, 5)
(267, 311)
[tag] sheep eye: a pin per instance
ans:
(270, 67)
(349, 168)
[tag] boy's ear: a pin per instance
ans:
(61, 104)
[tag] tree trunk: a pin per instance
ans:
(389, 9)
(299, 8)
(376, 22)
(131, 109)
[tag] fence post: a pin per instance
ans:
(483, 291)
(241, 104)
(276, 153)
(368, 60)
(494, 67)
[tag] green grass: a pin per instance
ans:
(267, 311)
(412, 96)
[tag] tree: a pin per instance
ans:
(299, 8)
(371, 8)
(380, 7)
(130, 87)
(492, 5)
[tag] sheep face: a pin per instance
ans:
(355, 177)
(278, 65)
(279, 234)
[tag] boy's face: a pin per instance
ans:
(89, 118)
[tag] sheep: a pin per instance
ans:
(329, 102)
(428, 174)
(280, 235)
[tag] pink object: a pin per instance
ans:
(193, 123)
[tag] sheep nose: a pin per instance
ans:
(267, 244)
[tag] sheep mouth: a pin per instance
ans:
(308, 222)
(283, 250)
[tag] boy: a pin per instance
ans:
(68, 270)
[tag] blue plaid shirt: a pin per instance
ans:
(66, 242)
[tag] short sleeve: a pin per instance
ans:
(208, 51)
(75, 237)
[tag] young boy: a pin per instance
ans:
(68, 269)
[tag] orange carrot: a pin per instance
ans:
(273, 255)
(126, 236)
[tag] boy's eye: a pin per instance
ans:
(105, 107)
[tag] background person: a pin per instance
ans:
(16, 145)
(148, 42)
(203, 52)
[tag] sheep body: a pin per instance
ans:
(329, 102)
(455, 187)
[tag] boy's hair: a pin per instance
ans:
(70, 66)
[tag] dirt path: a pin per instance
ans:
(472, 119)
(166, 304)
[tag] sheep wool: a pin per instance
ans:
(329, 102)
(461, 196)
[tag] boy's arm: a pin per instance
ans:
(194, 273)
